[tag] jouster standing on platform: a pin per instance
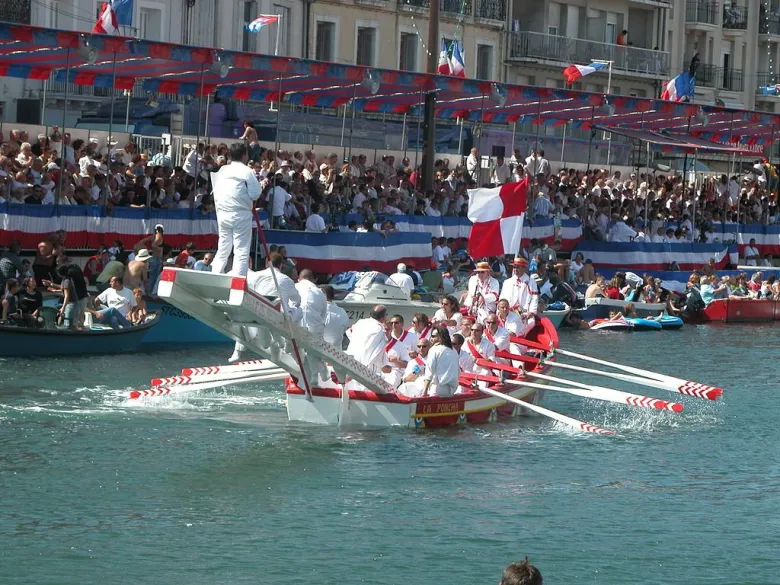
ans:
(262, 282)
(482, 292)
(521, 292)
(336, 320)
(235, 190)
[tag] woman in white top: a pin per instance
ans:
(449, 314)
(442, 366)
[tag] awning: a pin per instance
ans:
(678, 143)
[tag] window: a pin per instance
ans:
(408, 58)
(326, 41)
(640, 93)
(249, 40)
(554, 16)
(484, 62)
(284, 30)
(150, 24)
(54, 14)
(366, 43)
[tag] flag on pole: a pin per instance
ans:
(574, 72)
(457, 65)
(444, 61)
(680, 88)
(261, 21)
(114, 14)
(497, 219)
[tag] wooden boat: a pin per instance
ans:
(330, 404)
(737, 311)
(97, 340)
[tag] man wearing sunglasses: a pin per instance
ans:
(415, 370)
(478, 347)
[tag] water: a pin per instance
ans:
(221, 489)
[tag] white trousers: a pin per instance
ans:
(235, 234)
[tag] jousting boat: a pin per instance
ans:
(316, 372)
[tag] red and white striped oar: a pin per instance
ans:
(197, 379)
(168, 390)
(670, 382)
(250, 366)
(593, 392)
(572, 422)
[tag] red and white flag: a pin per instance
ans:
(107, 23)
(444, 60)
(497, 219)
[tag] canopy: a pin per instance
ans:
(103, 61)
(667, 143)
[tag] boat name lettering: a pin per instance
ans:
(174, 312)
(442, 408)
(356, 314)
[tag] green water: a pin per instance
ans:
(221, 489)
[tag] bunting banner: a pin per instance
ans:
(640, 256)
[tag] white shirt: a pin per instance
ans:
(620, 232)
(402, 281)
(440, 316)
(443, 369)
(485, 349)
(500, 338)
(315, 224)
(262, 282)
(121, 300)
(501, 174)
(521, 293)
(235, 188)
(489, 292)
(280, 198)
(314, 306)
(750, 251)
(367, 343)
(190, 162)
(336, 323)
(513, 324)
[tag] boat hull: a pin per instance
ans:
(23, 342)
(600, 308)
(178, 327)
(738, 311)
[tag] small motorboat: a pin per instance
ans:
(644, 324)
(29, 342)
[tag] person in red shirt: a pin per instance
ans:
(613, 290)
(185, 258)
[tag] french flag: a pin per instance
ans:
(444, 61)
(112, 15)
(574, 72)
(680, 88)
(457, 65)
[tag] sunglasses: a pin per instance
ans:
(491, 322)
(476, 329)
(421, 346)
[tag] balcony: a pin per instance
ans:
(17, 11)
(769, 25)
(701, 13)
(461, 7)
(491, 10)
(735, 18)
(719, 78)
(533, 46)
(767, 80)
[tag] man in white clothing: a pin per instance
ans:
(315, 223)
(472, 165)
(336, 320)
(415, 370)
(482, 293)
(402, 280)
(314, 305)
(501, 172)
(278, 197)
(368, 340)
(622, 232)
(262, 282)
(477, 346)
(496, 334)
(521, 292)
(235, 191)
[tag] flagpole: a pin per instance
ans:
(63, 170)
(111, 119)
(590, 142)
(278, 27)
(563, 145)
(460, 140)
(403, 136)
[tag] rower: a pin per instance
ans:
(442, 371)
(415, 370)
(262, 282)
(457, 345)
(404, 341)
(478, 347)
(314, 305)
(398, 352)
(507, 319)
(496, 334)
(521, 292)
(368, 340)
(482, 292)
(449, 314)
(421, 327)
(336, 320)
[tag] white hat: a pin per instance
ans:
(401, 267)
(143, 255)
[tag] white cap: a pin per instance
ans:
(401, 267)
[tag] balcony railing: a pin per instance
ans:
(766, 80)
(420, 4)
(720, 78)
(462, 7)
(701, 12)
(769, 25)
(539, 46)
(735, 17)
(491, 9)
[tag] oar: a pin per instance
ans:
(588, 391)
(682, 386)
(528, 343)
(252, 366)
(572, 422)
(708, 392)
(182, 380)
(166, 390)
